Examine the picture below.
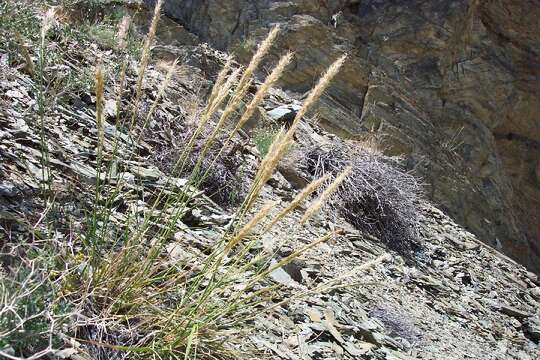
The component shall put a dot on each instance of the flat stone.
(8, 190)
(280, 276)
(535, 293)
(532, 328)
(514, 312)
(284, 112)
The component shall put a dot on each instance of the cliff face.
(451, 84)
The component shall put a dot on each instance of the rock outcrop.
(451, 84)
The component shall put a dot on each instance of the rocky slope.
(451, 84)
(458, 298)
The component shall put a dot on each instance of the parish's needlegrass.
(126, 293)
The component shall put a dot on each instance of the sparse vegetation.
(263, 137)
(31, 313)
(135, 222)
(244, 48)
(128, 296)
(103, 35)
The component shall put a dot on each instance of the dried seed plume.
(301, 196)
(246, 229)
(325, 195)
(145, 57)
(259, 55)
(99, 106)
(123, 29)
(316, 92)
(263, 89)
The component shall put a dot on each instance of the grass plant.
(130, 298)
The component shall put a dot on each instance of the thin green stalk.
(45, 182)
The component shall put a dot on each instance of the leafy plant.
(263, 138)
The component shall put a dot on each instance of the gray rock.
(532, 328)
(514, 312)
(8, 189)
(281, 276)
(461, 104)
(284, 113)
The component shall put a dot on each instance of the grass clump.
(378, 196)
(131, 297)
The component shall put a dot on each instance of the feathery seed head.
(123, 29)
(232, 104)
(155, 19)
(263, 89)
(246, 229)
(47, 22)
(99, 103)
(325, 195)
(317, 91)
(164, 85)
(245, 80)
(222, 75)
(221, 94)
(268, 164)
(224, 90)
(301, 196)
(259, 55)
(283, 140)
(272, 151)
(145, 57)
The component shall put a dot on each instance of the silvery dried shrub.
(379, 197)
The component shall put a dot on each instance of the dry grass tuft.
(132, 298)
